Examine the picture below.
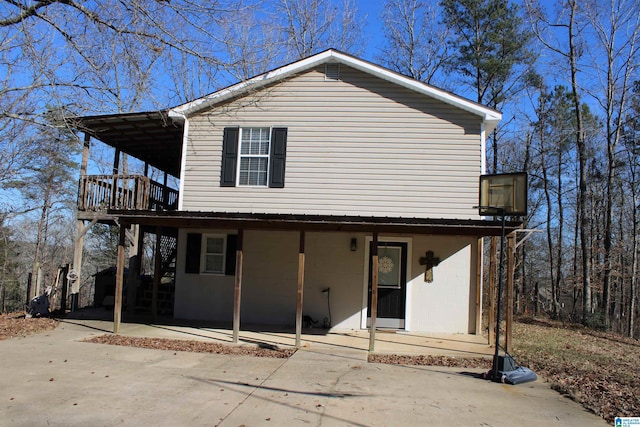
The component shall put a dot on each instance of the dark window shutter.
(230, 262)
(229, 157)
(277, 157)
(192, 261)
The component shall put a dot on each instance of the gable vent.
(332, 71)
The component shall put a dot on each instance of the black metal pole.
(495, 375)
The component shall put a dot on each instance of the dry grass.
(600, 371)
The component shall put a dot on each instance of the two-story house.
(308, 189)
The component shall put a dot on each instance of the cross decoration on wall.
(429, 261)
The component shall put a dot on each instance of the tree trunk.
(634, 260)
(582, 159)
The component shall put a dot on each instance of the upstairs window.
(254, 156)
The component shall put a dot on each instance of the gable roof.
(489, 116)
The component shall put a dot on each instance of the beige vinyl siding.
(359, 146)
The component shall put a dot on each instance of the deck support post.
(77, 264)
(300, 289)
(117, 306)
(157, 274)
(237, 292)
(135, 252)
(80, 228)
(374, 292)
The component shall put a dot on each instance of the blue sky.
(373, 30)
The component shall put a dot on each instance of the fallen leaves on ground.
(420, 360)
(14, 325)
(599, 370)
(191, 345)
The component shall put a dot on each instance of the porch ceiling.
(152, 137)
(187, 219)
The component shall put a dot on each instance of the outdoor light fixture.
(354, 244)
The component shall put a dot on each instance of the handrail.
(98, 193)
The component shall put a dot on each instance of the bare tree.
(616, 26)
(567, 49)
(415, 39)
(314, 25)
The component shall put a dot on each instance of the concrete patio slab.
(387, 341)
(55, 379)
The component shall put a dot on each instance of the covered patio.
(347, 342)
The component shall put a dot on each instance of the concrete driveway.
(54, 379)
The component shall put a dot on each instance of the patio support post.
(157, 273)
(117, 306)
(300, 289)
(374, 292)
(238, 287)
(479, 257)
(508, 344)
(493, 262)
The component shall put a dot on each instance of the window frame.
(204, 254)
(266, 156)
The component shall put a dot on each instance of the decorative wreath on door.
(385, 265)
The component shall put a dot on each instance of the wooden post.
(114, 188)
(511, 254)
(493, 263)
(83, 170)
(29, 285)
(80, 230)
(165, 193)
(374, 292)
(117, 307)
(157, 273)
(135, 249)
(237, 293)
(479, 266)
(77, 256)
(63, 293)
(300, 289)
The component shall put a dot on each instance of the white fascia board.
(183, 160)
(483, 149)
(490, 117)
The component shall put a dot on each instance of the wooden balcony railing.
(98, 193)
